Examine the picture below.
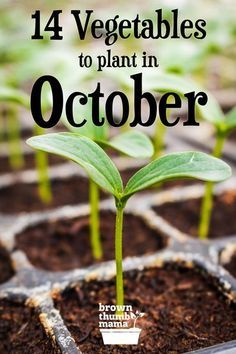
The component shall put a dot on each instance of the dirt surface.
(183, 312)
(65, 244)
(29, 163)
(184, 215)
(24, 196)
(21, 331)
(6, 270)
(68, 191)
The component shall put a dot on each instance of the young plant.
(224, 125)
(135, 316)
(104, 173)
(132, 143)
(17, 97)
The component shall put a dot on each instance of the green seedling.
(100, 168)
(224, 125)
(132, 143)
(17, 97)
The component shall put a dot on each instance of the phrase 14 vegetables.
(112, 29)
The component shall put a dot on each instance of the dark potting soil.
(6, 270)
(29, 163)
(64, 244)
(23, 197)
(231, 265)
(183, 312)
(184, 215)
(21, 331)
(68, 191)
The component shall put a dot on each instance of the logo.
(117, 324)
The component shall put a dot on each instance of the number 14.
(51, 26)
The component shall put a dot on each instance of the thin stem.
(94, 221)
(159, 139)
(2, 125)
(207, 202)
(118, 254)
(41, 161)
(14, 142)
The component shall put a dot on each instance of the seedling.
(135, 316)
(132, 143)
(13, 130)
(104, 173)
(19, 98)
(224, 125)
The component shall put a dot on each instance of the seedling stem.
(41, 161)
(119, 257)
(207, 203)
(94, 221)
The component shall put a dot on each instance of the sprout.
(224, 125)
(16, 157)
(104, 173)
(135, 316)
(132, 143)
(13, 129)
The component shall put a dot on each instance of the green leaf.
(178, 165)
(230, 120)
(86, 153)
(132, 143)
(14, 96)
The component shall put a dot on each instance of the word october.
(93, 100)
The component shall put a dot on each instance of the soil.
(21, 331)
(5, 266)
(231, 266)
(29, 163)
(183, 312)
(184, 215)
(65, 245)
(24, 197)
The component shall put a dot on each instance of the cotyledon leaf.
(14, 96)
(86, 153)
(132, 143)
(178, 165)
